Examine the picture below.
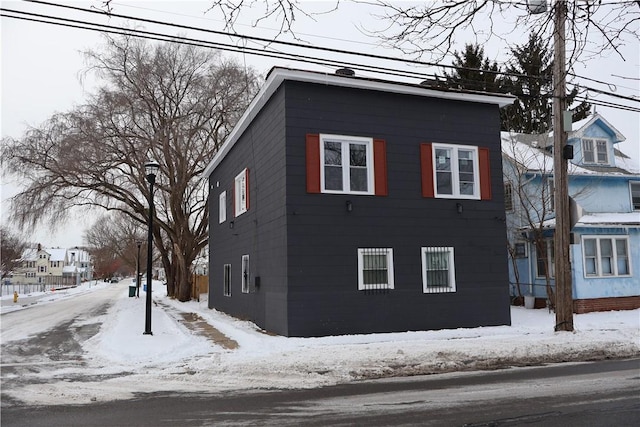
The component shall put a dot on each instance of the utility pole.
(564, 287)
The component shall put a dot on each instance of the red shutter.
(246, 183)
(485, 173)
(426, 168)
(380, 167)
(313, 163)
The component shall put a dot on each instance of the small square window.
(375, 268)
(438, 271)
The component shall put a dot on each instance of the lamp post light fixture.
(150, 170)
(138, 243)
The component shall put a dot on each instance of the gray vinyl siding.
(323, 237)
(261, 231)
(304, 246)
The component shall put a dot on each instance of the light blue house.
(604, 185)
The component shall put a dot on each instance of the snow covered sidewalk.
(120, 362)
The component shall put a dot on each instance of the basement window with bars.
(375, 268)
(438, 272)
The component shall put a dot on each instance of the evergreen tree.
(473, 71)
(530, 78)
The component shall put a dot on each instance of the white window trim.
(390, 274)
(245, 278)
(240, 185)
(614, 263)
(594, 151)
(631, 184)
(226, 284)
(549, 247)
(222, 207)
(455, 173)
(346, 140)
(452, 271)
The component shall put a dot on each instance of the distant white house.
(53, 267)
(604, 185)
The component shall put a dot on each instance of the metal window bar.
(438, 270)
(375, 270)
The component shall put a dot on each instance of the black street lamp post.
(139, 243)
(151, 169)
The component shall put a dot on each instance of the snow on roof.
(57, 254)
(580, 126)
(522, 149)
(528, 152)
(606, 219)
(29, 254)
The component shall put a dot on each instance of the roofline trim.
(277, 75)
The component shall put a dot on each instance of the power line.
(87, 25)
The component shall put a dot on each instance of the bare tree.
(173, 103)
(112, 242)
(432, 28)
(11, 248)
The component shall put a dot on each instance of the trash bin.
(132, 291)
(144, 288)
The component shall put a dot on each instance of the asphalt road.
(586, 394)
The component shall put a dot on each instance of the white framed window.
(222, 207)
(438, 270)
(606, 256)
(346, 164)
(241, 195)
(550, 194)
(456, 171)
(545, 258)
(375, 268)
(226, 280)
(594, 151)
(634, 190)
(508, 196)
(245, 274)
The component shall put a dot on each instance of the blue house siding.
(602, 191)
(586, 287)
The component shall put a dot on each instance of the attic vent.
(345, 72)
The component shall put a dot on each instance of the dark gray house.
(343, 205)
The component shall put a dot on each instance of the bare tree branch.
(173, 103)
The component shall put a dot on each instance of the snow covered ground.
(121, 362)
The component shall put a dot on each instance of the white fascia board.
(278, 75)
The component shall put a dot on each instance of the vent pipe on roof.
(345, 72)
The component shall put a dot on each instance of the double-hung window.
(545, 260)
(455, 171)
(375, 268)
(438, 270)
(341, 164)
(508, 197)
(595, 151)
(241, 192)
(606, 256)
(347, 164)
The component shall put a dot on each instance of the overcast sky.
(42, 64)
